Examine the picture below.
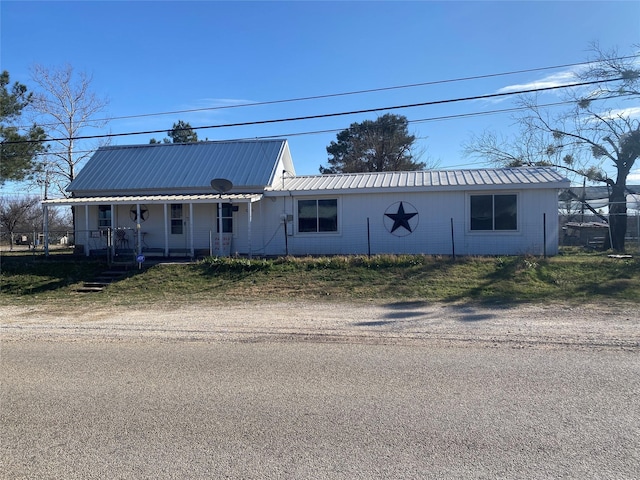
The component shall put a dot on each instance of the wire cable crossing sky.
(341, 94)
(309, 117)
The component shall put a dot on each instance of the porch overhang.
(155, 199)
(165, 200)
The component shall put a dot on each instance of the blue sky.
(164, 56)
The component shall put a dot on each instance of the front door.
(224, 222)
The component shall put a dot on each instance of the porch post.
(138, 229)
(249, 209)
(45, 210)
(86, 230)
(111, 233)
(191, 230)
(166, 231)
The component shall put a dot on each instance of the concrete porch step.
(89, 289)
(103, 280)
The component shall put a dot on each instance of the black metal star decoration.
(401, 218)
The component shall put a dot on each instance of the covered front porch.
(161, 225)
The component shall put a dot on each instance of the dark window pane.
(328, 215)
(481, 212)
(104, 216)
(506, 212)
(226, 210)
(227, 220)
(176, 210)
(307, 216)
(176, 218)
(307, 225)
(176, 227)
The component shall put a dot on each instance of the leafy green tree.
(18, 148)
(383, 145)
(181, 132)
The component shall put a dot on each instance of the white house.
(159, 199)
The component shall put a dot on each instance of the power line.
(328, 115)
(342, 94)
(334, 130)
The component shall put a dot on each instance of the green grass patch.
(490, 280)
(26, 275)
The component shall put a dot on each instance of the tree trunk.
(617, 217)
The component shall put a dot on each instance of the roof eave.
(416, 189)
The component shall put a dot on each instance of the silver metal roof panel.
(249, 164)
(533, 177)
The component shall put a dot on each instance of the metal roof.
(248, 164)
(151, 199)
(541, 177)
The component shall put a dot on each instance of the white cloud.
(222, 102)
(555, 80)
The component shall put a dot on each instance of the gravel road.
(556, 325)
(260, 390)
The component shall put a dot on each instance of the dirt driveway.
(543, 326)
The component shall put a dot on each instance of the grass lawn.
(570, 277)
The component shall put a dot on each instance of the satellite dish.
(221, 185)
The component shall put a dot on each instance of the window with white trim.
(318, 215)
(176, 218)
(104, 216)
(227, 218)
(494, 212)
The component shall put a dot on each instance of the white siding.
(432, 235)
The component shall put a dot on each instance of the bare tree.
(528, 147)
(597, 133)
(67, 108)
(17, 214)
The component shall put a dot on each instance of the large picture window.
(494, 212)
(318, 216)
(176, 218)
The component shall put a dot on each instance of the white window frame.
(172, 218)
(104, 226)
(493, 230)
(338, 229)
